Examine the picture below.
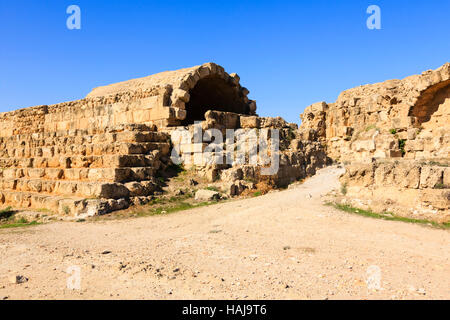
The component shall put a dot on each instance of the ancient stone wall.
(97, 154)
(162, 99)
(187, 94)
(94, 155)
(70, 172)
(299, 154)
(405, 187)
(394, 119)
(394, 138)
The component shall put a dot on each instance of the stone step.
(66, 188)
(113, 148)
(105, 161)
(131, 136)
(81, 174)
(62, 205)
(51, 139)
(97, 190)
(94, 130)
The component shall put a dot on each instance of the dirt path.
(284, 245)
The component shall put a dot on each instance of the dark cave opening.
(429, 102)
(213, 93)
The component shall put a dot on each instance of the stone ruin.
(98, 154)
(101, 153)
(394, 138)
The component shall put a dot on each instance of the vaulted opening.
(213, 93)
(430, 101)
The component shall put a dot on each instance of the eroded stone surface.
(394, 137)
(397, 118)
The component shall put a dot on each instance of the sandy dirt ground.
(283, 245)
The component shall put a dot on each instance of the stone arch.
(209, 87)
(213, 93)
(179, 97)
(430, 101)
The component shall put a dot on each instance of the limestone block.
(360, 174)
(250, 122)
(364, 145)
(62, 162)
(66, 187)
(179, 94)
(414, 145)
(318, 107)
(384, 174)
(136, 189)
(70, 207)
(274, 123)
(113, 191)
(431, 176)
(36, 173)
(407, 176)
(9, 173)
(446, 178)
(204, 71)
(222, 120)
(207, 195)
(231, 174)
(179, 104)
(412, 133)
(35, 186)
(44, 162)
(141, 116)
(439, 199)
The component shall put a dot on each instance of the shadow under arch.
(213, 93)
(429, 102)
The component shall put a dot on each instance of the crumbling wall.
(394, 119)
(95, 155)
(188, 94)
(388, 135)
(405, 187)
(80, 172)
(299, 154)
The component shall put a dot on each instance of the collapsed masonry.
(100, 153)
(394, 138)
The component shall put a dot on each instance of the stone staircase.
(78, 172)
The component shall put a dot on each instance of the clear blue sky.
(288, 53)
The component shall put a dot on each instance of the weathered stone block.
(207, 195)
(250, 122)
(407, 176)
(384, 174)
(231, 174)
(414, 145)
(431, 176)
(446, 178)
